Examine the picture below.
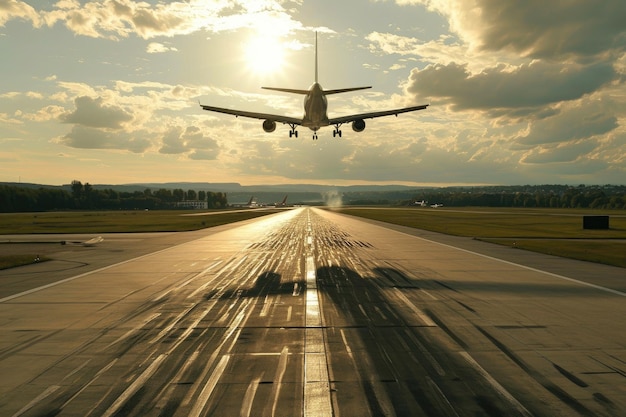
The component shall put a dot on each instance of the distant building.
(193, 204)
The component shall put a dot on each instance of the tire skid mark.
(557, 391)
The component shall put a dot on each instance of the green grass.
(610, 252)
(117, 221)
(551, 231)
(110, 222)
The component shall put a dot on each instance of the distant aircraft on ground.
(250, 204)
(282, 203)
(315, 110)
(436, 205)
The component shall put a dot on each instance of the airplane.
(282, 203)
(315, 110)
(250, 204)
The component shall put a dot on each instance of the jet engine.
(358, 125)
(269, 126)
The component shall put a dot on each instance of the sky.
(107, 92)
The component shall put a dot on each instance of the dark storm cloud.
(95, 113)
(527, 86)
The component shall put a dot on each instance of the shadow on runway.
(384, 359)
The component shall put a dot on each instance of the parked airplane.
(315, 110)
(282, 203)
(250, 204)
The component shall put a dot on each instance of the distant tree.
(77, 189)
(164, 195)
(178, 194)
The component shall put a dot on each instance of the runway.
(310, 313)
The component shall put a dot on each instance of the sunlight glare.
(264, 55)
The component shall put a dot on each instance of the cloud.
(115, 19)
(157, 48)
(85, 137)
(173, 142)
(505, 87)
(118, 19)
(95, 113)
(534, 28)
(560, 153)
(190, 140)
(586, 119)
(50, 112)
(13, 9)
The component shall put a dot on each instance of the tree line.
(590, 197)
(86, 197)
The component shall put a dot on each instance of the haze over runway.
(308, 312)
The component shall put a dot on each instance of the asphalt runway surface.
(309, 313)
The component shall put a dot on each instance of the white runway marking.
(206, 392)
(317, 401)
(588, 284)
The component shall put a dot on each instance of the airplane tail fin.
(339, 90)
(305, 92)
(316, 81)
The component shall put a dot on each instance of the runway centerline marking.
(317, 399)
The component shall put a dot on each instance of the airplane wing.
(347, 119)
(254, 115)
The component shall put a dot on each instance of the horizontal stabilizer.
(287, 90)
(345, 90)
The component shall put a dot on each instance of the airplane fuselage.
(315, 108)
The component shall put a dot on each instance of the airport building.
(193, 204)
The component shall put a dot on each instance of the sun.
(264, 55)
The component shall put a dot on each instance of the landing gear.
(315, 136)
(337, 131)
(293, 131)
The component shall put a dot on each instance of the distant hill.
(281, 188)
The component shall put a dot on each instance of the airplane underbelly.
(315, 113)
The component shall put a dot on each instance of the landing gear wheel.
(337, 131)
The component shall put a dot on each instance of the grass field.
(119, 221)
(109, 222)
(551, 231)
